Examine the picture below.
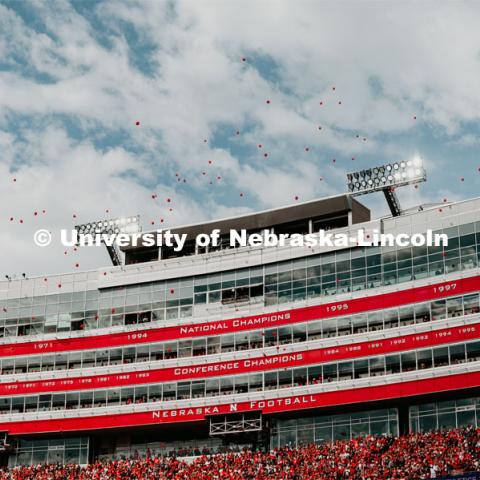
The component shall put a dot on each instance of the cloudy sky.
(110, 108)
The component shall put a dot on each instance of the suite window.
(457, 354)
(471, 304)
(360, 323)
(99, 398)
(375, 321)
(391, 318)
(473, 351)
(314, 330)
(285, 378)
(377, 366)
(270, 380)
(213, 345)
(330, 373)
(424, 359)
(392, 364)
(255, 382)
(440, 356)
(422, 313)
(169, 391)
(409, 362)
(407, 316)
(315, 374)
(227, 342)
(361, 368)
(226, 386)
(345, 371)
(212, 387)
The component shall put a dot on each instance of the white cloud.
(388, 62)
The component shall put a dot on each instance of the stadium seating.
(413, 456)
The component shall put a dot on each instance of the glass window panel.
(360, 323)
(440, 356)
(409, 361)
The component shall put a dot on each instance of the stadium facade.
(260, 346)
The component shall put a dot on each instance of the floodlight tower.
(387, 178)
(129, 225)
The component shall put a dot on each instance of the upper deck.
(308, 217)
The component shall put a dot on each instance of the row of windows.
(423, 418)
(333, 428)
(328, 328)
(61, 451)
(443, 415)
(295, 280)
(253, 382)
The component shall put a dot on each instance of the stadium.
(183, 354)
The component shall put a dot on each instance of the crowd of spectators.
(413, 456)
